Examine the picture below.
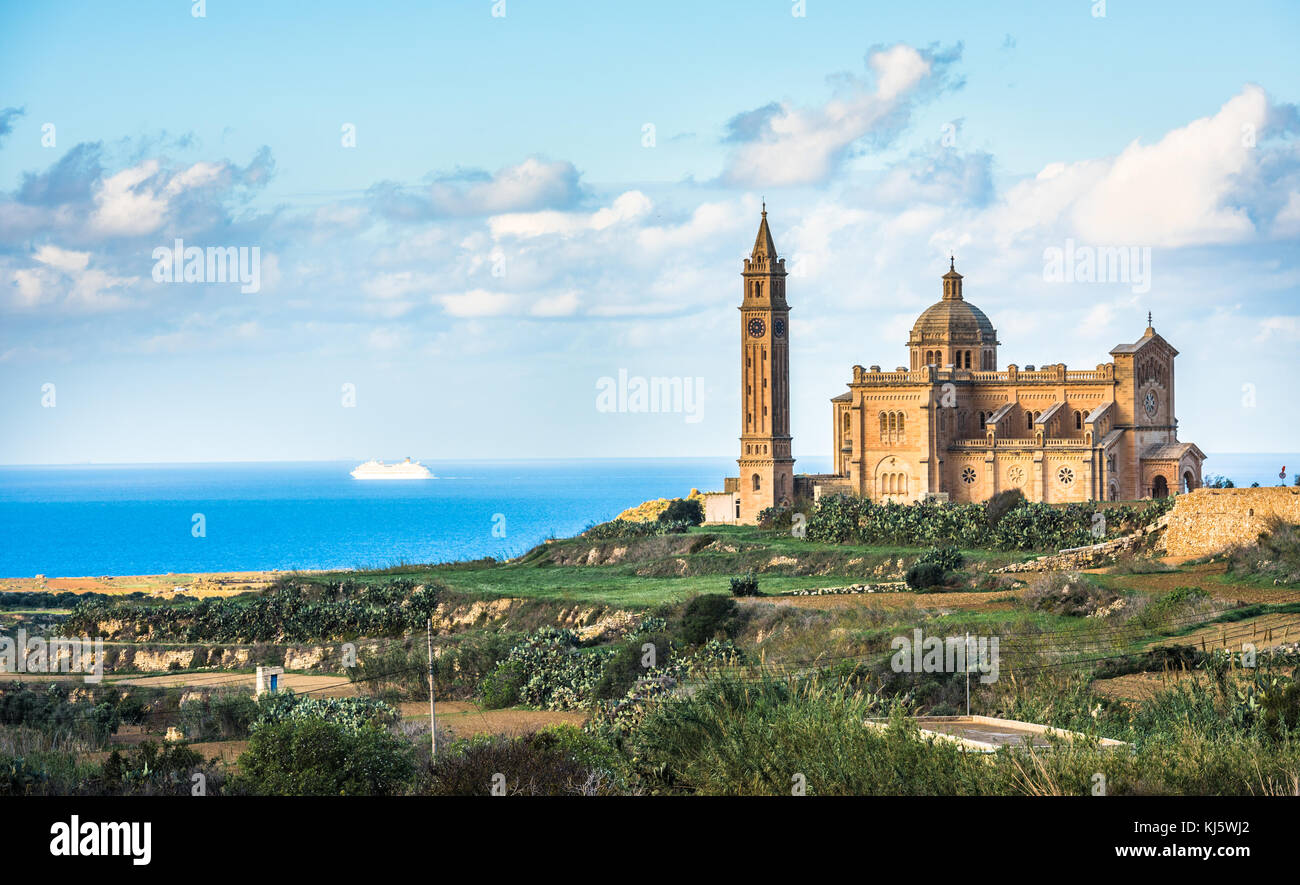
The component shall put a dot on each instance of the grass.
(650, 580)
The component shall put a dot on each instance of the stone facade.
(950, 424)
(1213, 520)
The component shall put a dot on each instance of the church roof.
(954, 320)
(1147, 337)
(1170, 451)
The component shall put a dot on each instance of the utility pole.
(433, 722)
(967, 656)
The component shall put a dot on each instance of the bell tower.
(766, 465)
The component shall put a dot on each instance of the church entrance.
(1160, 488)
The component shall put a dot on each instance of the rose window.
(1016, 475)
(968, 475)
(1065, 476)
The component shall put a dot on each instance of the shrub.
(1274, 556)
(224, 716)
(745, 585)
(500, 688)
(625, 528)
(686, 510)
(547, 670)
(395, 672)
(352, 713)
(1067, 593)
(947, 558)
(1003, 503)
(152, 770)
(625, 667)
(840, 519)
(546, 763)
(707, 616)
(312, 757)
(925, 576)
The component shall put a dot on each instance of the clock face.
(1150, 404)
(778, 328)
(756, 327)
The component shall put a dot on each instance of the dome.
(953, 321)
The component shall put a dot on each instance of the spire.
(1151, 329)
(763, 245)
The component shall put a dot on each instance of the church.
(952, 425)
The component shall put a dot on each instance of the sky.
(471, 218)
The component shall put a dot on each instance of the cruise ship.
(407, 469)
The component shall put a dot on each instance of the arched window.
(900, 422)
(883, 426)
(1078, 420)
(902, 483)
(1029, 420)
(756, 482)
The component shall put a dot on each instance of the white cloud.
(65, 260)
(628, 206)
(131, 203)
(786, 145)
(1286, 328)
(477, 303)
(556, 305)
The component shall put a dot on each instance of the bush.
(626, 528)
(745, 585)
(1274, 556)
(224, 716)
(1067, 593)
(624, 668)
(561, 762)
(947, 558)
(1003, 503)
(925, 576)
(352, 714)
(500, 688)
(312, 757)
(686, 510)
(547, 670)
(707, 616)
(840, 519)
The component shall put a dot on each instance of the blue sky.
(502, 235)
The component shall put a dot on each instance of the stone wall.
(1207, 521)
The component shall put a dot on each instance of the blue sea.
(81, 520)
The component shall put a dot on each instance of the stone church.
(951, 424)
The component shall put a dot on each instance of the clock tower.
(766, 466)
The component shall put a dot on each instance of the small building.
(268, 679)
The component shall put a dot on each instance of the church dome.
(953, 320)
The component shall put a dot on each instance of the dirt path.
(1002, 599)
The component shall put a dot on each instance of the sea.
(132, 519)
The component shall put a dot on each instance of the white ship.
(407, 469)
